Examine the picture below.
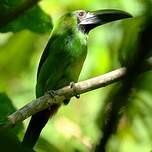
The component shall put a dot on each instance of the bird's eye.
(81, 13)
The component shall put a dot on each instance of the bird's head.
(84, 21)
(87, 21)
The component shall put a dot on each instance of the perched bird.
(63, 58)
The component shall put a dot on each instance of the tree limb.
(47, 100)
(17, 11)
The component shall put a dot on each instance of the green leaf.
(9, 136)
(34, 19)
(6, 108)
(10, 143)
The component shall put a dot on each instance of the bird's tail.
(36, 124)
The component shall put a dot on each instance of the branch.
(17, 11)
(46, 101)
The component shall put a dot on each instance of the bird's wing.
(45, 54)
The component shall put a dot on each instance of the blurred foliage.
(9, 135)
(122, 97)
(6, 108)
(75, 127)
(33, 19)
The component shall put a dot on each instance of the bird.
(63, 58)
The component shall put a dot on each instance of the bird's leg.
(72, 85)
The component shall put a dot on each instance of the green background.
(75, 126)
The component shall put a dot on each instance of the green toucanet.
(63, 58)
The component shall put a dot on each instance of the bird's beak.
(100, 17)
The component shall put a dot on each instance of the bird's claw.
(72, 85)
(52, 93)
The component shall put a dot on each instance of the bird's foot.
(66, 101)
(72, 85)
(52, 93)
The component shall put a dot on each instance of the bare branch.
(45, 101)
